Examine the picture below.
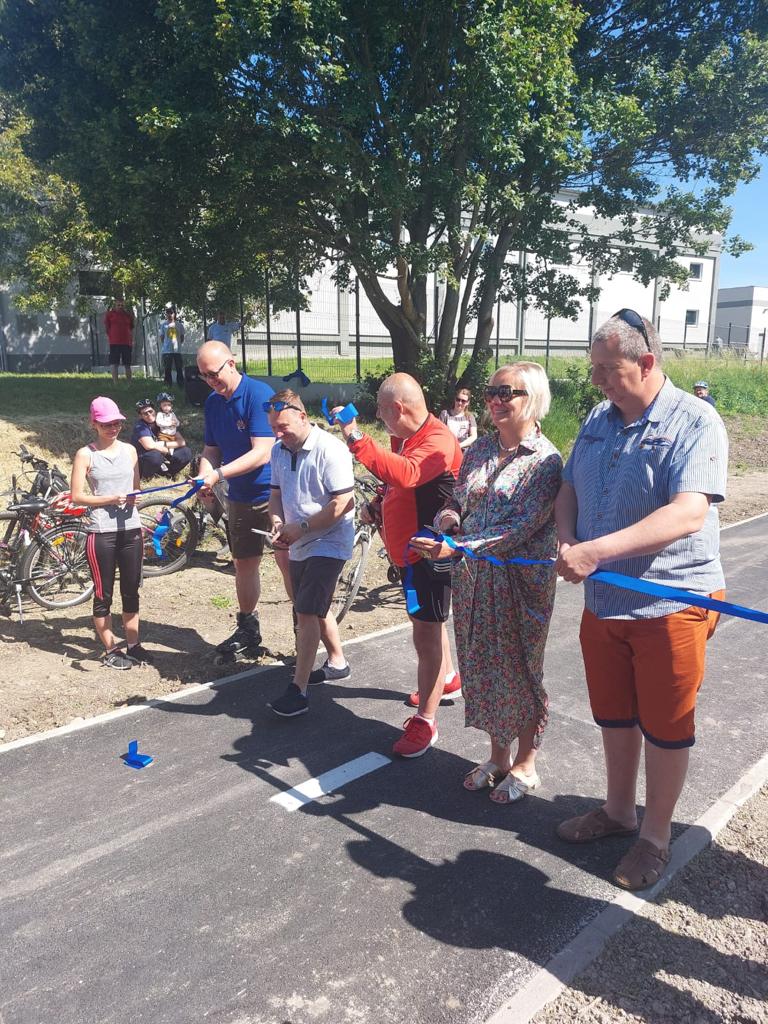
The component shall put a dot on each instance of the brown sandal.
(642, 867)
(594, 825)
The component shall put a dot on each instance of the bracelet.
(220, 474)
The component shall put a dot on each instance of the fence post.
(746, 350)
(144, 334)
(298, 323)
(762, 347)
(549, 334)
(729, 335)
(269, 328)
(242, 331)
(685, 334)
(358, 375)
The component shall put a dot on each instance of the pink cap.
(104, 410)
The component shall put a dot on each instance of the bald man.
(419, 471)
(238, 446)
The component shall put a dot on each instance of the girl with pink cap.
(110, 468)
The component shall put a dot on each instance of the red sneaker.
(418, 737)
(451, 690)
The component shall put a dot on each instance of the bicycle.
(188, 529)
(368, 490)
(42, 553)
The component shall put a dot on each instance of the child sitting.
(166, 420)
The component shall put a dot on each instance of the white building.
(334, 320)
(742, 318)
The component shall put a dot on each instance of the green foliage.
(577, 388)
(399, 138)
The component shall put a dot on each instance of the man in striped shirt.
(639, 497)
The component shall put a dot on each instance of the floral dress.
(505, 505)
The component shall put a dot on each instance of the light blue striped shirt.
(621, 474)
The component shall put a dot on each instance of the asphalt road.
(184, 893)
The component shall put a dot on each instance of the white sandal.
(483, 775)
(514, 788)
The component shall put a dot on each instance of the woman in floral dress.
(503, 506)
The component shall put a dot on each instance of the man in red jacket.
(419, 472)
(119, 323)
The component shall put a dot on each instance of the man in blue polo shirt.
(238, 445)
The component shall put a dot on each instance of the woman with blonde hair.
(503, 506)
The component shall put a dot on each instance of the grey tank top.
(112, 474)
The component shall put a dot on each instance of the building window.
(696, 271)
(692, 318)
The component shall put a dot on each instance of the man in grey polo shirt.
(312, 509)
(639, 497)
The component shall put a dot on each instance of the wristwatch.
(355, 435)
(304, 525)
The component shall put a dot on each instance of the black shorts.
(120, 354)
(242, 518)
(432, 583)
(314, 581)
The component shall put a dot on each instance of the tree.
(400, 137)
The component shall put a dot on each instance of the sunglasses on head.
(504, 392)
(278, 406)
(634, 320)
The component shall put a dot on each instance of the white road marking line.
(329, 782)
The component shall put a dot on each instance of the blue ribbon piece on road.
(614, 579)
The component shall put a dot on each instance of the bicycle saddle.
(29, 505)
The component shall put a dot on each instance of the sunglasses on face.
(504, 392)
(278, 406)
(634, 320)
(214, 374)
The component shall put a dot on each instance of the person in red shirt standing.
(119, 323)
(419, 472)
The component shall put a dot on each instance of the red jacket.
(419, 472)
(119, 324)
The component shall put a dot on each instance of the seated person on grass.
(157, 457)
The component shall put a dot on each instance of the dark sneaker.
(451, 691)
(329, 672)
(139, 655)
(116, 659)
(292, 703)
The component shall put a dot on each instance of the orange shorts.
(647, 672)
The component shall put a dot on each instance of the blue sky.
(750, 220)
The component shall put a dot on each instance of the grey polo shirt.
(621, 474)
(307, 480)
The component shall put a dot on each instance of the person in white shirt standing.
(222, 329)
(312, 508)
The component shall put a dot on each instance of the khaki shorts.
(242, 519)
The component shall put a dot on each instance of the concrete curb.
(547, 984)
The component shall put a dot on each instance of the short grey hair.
(631, 342)
(535, 382)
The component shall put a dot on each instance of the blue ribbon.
(614, 579)
(345, 415)
(164, 523)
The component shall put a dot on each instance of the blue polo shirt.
(230, 423)
(622, 473)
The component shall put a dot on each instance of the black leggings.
(123, 550)
(150, 463)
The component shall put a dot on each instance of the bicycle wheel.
(351, 575)
(54, 568)
(176, 545)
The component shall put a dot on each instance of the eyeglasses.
(278, 406)
(112, 423)
(147, 408)
(461, 401)
(504, 392)
(214, 374)
(634, 320)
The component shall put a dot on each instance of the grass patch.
(221, 602)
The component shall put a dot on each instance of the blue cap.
(701, 384)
